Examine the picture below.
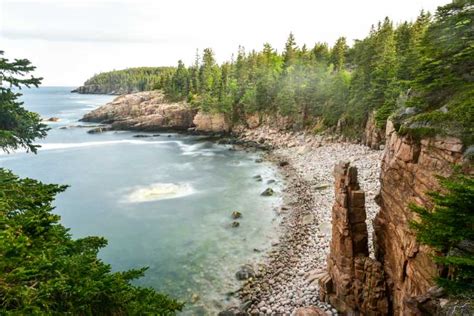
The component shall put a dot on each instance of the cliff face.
(208, 122)
(408, 171)
(143, 111)
(373, 136)
(400, 281)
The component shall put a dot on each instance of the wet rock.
(245, 272)
(235, 224)
(236, 214)
(271, 181)
(98, 130)
(142, 136)
(53, 119)
(268, 192)
(259, 160)
(258, 177)
(283, 163)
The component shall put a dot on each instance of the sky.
(71, 40)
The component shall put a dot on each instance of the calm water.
(162, 202)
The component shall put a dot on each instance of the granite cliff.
(399, 280)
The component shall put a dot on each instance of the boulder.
(236, 214)
(245, 272)
(267, 192)
(98, 130)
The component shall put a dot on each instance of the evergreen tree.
(448, 227)
(290, 52)
(18, 127)
(338, 53)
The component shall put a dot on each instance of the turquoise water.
(164, 202)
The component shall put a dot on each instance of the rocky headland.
(146, 111)
(98, 89)
(151, 111)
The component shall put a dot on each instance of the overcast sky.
(70, 40)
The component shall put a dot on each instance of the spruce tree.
(448, 227)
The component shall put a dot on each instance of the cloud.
(78, 36)
(74, 21)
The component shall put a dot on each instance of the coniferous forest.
(127, 80)
(420, 71)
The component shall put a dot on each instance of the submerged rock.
(236, 214)
(258, 177)
(268, 192)
(235, 224)
(142, 136)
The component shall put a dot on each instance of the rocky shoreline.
(286, 281)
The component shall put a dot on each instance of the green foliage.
(43, 271)
(18, 127)
(448, 227)
(131, 79)
(426, 64)
(444, 86)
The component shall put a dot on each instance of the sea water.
(164, 202)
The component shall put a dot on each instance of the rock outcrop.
(147, 111)
(374, 137)
(408, 172)
(211, 122)
(355, 283)
(98, 89)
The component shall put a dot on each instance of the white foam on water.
(159, 191)
(55, 146)
(199, 149)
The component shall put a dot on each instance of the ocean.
(163, 202)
